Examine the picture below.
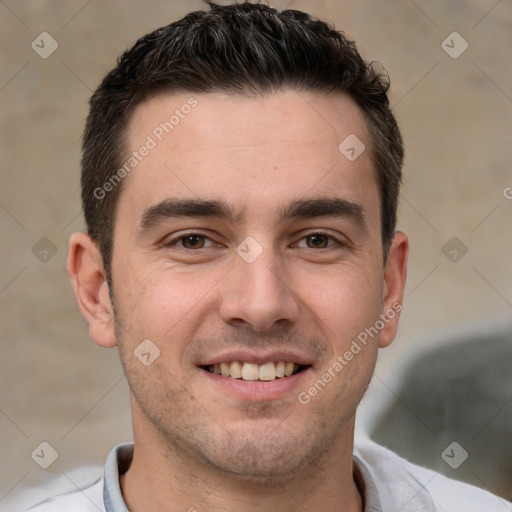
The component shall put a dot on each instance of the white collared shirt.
(391, 485)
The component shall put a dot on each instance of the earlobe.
(395, 275)
(87, 274)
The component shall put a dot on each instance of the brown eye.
(192, 241)
(318, 240)
(189, 241)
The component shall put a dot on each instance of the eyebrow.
(297, 209)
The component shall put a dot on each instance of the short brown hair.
(239, 49)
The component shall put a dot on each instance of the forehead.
(255, 152)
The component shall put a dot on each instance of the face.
(247, 249)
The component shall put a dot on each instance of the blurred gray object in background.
(455, 401)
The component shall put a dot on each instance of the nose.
(259, 294)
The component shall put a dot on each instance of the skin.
(199, 444)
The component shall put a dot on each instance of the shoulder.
(404, 486)
(87, 497)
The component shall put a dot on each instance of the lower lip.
(258, 390)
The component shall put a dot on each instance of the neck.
(164, 479)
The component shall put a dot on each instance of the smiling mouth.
(252, 371)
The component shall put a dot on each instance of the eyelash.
(175, 240)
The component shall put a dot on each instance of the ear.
(395, 274)
(85, 268)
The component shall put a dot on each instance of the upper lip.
(247, 356)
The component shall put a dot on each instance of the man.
(240, 176)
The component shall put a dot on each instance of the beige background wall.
(455, 114)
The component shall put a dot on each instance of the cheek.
(153, 301)
(346, 300)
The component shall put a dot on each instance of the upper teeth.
(253, 371)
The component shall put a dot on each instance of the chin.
(264, 472)
(265, 457)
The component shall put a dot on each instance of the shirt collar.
(120, 458)
(118, 462)
(371, 498)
